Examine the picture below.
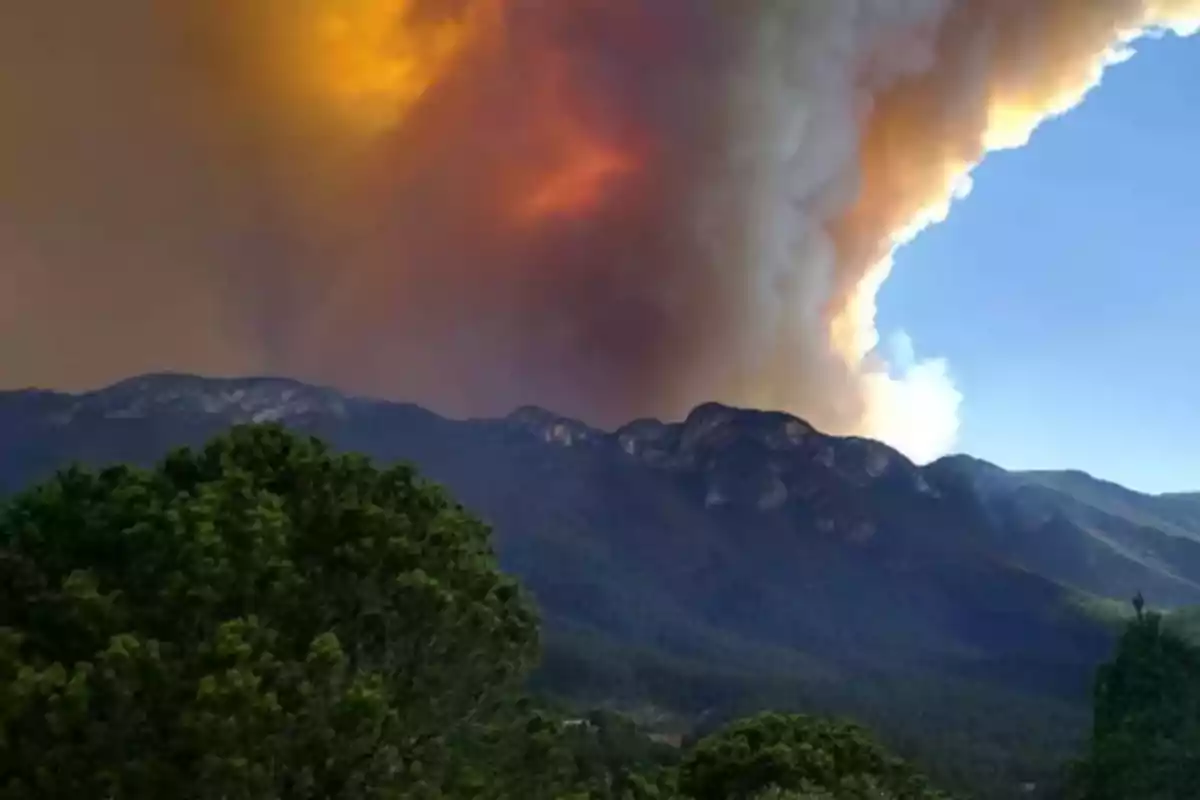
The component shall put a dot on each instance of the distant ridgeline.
(739, 558)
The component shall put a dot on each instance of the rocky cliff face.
(745, 459)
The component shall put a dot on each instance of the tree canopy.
(1146, 730)
(806, 756)
(260, 618)
(264, 619)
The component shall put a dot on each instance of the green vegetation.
(975, 739)
(1185, 623)
(1146, 733)
(800, 754)
(263, 618)
(259, 619)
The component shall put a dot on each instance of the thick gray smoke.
(610, 207)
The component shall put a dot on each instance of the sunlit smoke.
(613, 208)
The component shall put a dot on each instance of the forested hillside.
(265, 619)
(694, 572)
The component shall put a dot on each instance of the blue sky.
(1065, 290)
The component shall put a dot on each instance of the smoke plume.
(613, 208)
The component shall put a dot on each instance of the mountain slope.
(733, 559)
(1090, 534)
(728, 535)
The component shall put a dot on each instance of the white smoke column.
(858, 124)
(915, 402)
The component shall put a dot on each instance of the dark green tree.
(864, 789)
(802, 755)
(533, 752)
(258, 619)
(1145, 741)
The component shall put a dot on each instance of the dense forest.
(265, 618)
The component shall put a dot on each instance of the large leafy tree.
(798, 756)
(1146, 731)
(258, 619)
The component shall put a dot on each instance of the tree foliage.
(265, 619)
(1146, 731)
(808, 756)
(865, 789)
(261, 618)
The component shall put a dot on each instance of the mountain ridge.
(734, 557)
(751, 528)
(740, 457)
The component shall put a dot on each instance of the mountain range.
(736, 554)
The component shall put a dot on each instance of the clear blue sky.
(1065, 291)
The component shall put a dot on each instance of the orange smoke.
(613, 208)
(578, 184)
(367, 57)
(357, 65)
(582, 166)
